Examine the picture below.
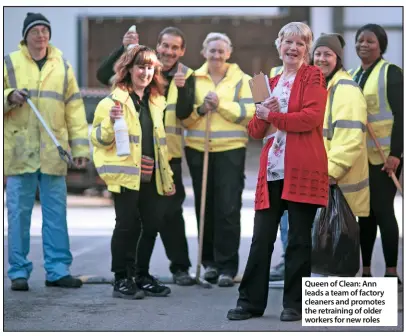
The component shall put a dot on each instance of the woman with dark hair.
(139, 180)
(382, 85)
(344, 129)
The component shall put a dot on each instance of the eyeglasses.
(36, 32)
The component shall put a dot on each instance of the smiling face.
(170, 50)
(325, 59)
(142, 75)
(367, 47)
(38, 37)
(217, 52)
(292, 50)
(143, 70)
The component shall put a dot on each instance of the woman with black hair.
(382, 85)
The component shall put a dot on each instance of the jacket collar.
(122, 96)
(52, 52)
(234, 73)
(340, 74)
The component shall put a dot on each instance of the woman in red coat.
(292, 175)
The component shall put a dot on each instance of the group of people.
(314, 134)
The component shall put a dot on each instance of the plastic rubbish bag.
(335, 238)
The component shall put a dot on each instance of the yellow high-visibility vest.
(275, 71)
(380, 115)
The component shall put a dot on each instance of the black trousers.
(382, 214)
(173, 233)
(222, 227)
(139, 217)
(253, 290)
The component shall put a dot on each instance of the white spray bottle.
(133, 29)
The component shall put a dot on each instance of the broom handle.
(382, 154)
(203, 194)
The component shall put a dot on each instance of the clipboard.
(260, 88)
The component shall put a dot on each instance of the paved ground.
(91, 308)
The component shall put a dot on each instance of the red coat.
(306, 175)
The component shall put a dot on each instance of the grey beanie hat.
(333, 41)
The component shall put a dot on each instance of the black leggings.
(382, 214)
(254, 285)
(138, 220)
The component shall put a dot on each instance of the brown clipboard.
(260, 88)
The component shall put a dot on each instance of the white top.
(276, 154)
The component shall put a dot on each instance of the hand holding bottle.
(116, 112)
(131, 38)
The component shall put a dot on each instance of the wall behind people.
(65, 21)
(252, 43)
(196, 23)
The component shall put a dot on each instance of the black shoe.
(290, 315)
(66, 282)
(240, 313)
(152, 287)
(127, 289)
(225, 281)
(19, 284)
(211, 275)
(183, 278)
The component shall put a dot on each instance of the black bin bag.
(335, 238)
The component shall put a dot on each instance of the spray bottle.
(133, 29)
(121, 135)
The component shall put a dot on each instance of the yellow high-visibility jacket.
(173, 126)
(55, 93)
(228, 124)
(380, 115)
(125, 171)
(275, 71)
(344, 132)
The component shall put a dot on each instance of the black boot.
(66, 282)
(151, 286)
(19, 284)
(239, 313)
(183, 278)
(290, 315)
(126, 288)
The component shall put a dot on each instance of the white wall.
(321, 20)
(64, 21)
(359, 16)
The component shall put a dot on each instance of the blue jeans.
(284, 228)
(20, 193)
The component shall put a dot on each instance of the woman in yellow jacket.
(382, 85)
(139, 180)
(222, 88)
(344, 129)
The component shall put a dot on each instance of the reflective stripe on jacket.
(55, 93)
(344, 133)
(228, 123)
(173, 126)
(125, 171)
(380, 115)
